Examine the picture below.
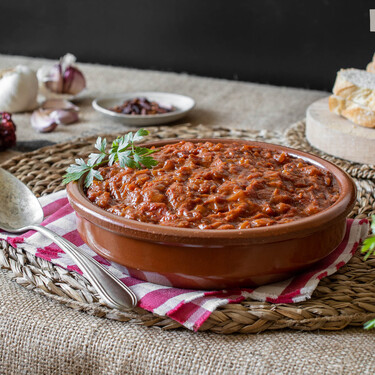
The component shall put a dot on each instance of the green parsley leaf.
(144, 151)
(123, 144)
(101, 145)
(69, 177)
(81, 162)
(95, 159)
(373, 224)
(147, 161)
(370, 324)
(74, 168)
(76, 171)
(90, 177)
(368, 247)
(122, 150)
(140, 134)
(128, 138)
(112, 159)
(124, 159)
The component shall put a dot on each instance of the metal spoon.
(21, 211)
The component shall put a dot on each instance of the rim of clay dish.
(220, 237)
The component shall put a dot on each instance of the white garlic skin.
(18, 89)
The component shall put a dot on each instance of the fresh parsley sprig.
(122, 150)
(368, 247)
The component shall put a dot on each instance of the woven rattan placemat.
(345, 298)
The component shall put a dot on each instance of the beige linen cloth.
(40, 336)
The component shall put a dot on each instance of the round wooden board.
(338, 136)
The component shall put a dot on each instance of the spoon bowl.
(19, 206)
(21, 211)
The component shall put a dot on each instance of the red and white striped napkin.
(188, 307)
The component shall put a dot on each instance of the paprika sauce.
(216, 186)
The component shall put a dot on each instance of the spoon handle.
(115, 293)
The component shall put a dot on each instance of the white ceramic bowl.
(181, 104)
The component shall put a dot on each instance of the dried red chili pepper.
(7, 131)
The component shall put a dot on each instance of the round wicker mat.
(345, 298)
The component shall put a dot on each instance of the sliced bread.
(357, 86)
(371, 65)
(354, 112)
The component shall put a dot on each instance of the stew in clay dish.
(216, 213)
(216, 186)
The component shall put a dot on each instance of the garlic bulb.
(63, 78)
(18, 89)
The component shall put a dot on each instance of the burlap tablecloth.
(40, 336)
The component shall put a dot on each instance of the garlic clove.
(54, 112)
(74, 81)
(54, 79)
(63, 78)
(42, 122)
(64, 117)
(59, 104)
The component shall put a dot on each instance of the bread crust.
(352, 111)
(347, 90)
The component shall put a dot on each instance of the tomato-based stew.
(216, 186)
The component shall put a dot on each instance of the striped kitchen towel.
(188, 307)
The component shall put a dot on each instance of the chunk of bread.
(371, 65)
(357, 86)
(352, 111)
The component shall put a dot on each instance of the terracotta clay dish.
(217, 258)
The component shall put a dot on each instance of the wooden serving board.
(338, 136)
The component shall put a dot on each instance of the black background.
(298, 43)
